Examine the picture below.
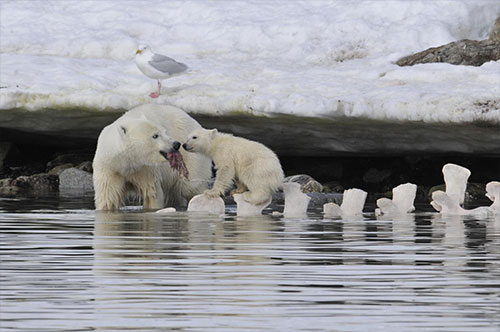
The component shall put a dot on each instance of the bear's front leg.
(154, 198)
(223, 181)
(109, 189)
(150, 188)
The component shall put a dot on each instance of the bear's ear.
(213, 132)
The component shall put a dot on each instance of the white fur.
(128, 158)
(255, 169)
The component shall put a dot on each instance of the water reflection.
(65, 267)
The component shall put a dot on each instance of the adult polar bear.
(131, 155)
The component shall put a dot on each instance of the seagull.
(157, 66)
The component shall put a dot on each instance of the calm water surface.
(66, 268)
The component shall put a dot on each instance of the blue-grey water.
(66, 268)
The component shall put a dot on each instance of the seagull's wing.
(167, 65)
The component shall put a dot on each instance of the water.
(66, 268)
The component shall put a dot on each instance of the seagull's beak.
(138, 52)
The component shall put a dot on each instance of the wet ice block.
(455, 178)
(203, 203)
(493, 193)
(332, 210)
(403, 197)
(245, 209)
(296, 201)
(167, 210)
(443, 203)
(353, 201)
(386, 206)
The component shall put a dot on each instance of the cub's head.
(146, 143)
(199, 140)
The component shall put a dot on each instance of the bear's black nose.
(184, 146)
(176, 145)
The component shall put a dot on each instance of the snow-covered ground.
(311, 58)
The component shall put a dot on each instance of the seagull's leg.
(156, 94)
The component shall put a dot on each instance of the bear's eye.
(155, 136)
(195, 137)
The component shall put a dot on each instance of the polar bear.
(133, 154)
(255, 169)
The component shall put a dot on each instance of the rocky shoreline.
(33, 171)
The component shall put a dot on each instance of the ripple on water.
(64, 267)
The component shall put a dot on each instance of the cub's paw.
(211, 193)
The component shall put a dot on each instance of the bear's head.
(200, 140)
(146, 143)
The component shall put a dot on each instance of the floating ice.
(203, 203)
(245, 209)
(332, 210)
(167, 210)
(446, 205)
(403, 197)
(493, 193)
(276, 214)
(455, 178)
(353, 202)
(296, 201)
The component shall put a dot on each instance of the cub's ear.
(213, 132)
(123, 130)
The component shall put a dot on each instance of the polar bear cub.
(254, 168)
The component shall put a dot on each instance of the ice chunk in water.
(493, 193)
(353, 201)
(245, 209)
(403, 197)
(456, 178)
(203, 203)
(446, 205)
(332, 210)
(296, 201)
(167, 210)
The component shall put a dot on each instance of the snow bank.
(311, 58)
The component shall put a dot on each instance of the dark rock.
(441, 187)
(69, 158)
(333, 187)
(58, 169)
(495, 32)
(317, 199)
(462, 52)
(75, 179)
(374, 175)
(307, 183)
(41, 182)
(5, 148)
(473, 192)
(12, 187)
(86, 166)
(38, 183)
